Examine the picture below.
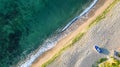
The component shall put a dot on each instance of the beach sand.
(68, 39)
(105, 34)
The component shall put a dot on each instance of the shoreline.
(103, 31)
(67, 40)
(81, 15)
(52, 40)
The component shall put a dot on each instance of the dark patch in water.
(24, 24)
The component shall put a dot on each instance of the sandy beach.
(104, 34)
(67, 40)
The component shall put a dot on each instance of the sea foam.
(50, 42)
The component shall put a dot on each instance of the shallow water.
(25, 24)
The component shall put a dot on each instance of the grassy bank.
(80, 35)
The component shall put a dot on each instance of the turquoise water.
(25, 24)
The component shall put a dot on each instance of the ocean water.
(26, 24)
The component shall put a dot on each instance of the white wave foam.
(50, 43)
(82, 14)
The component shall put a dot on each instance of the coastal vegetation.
(102, 16)
(99, 61)
(104, 62)
(61, 51)
(79, 36)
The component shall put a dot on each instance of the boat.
(98, 49)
